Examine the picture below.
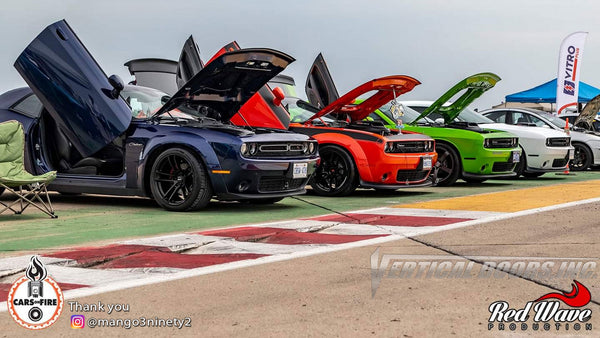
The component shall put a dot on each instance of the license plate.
(300, 170)
(426, 163)
(516, 156)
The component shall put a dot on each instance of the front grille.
(411, 175)
(278, 183)
(501, 142)
(558, 142)
(503, 166)
(409, 147)
(270, 150)
(559, 162)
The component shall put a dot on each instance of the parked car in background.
(465, 150)
(544, 150)
(586, 144)
(106, 138)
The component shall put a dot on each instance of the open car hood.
(473, 86)
(229, 81)
(73, 89)
(385, 89)
(588, 114)
(261, 110)
(321, 92)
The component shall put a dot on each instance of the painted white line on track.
(231, 246)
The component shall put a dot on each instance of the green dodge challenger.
(465, 150)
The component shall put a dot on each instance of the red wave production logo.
(545, 309)
(35, 301)
(578, 297)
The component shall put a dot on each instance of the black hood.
(227, 82)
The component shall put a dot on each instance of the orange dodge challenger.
(356, 152)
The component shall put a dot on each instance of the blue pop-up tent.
(546, 93)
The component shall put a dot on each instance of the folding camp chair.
(27, 188)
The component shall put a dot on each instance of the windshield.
(288, 89)
(145, 102)
(557, 121)
(467, 115)
(406, 114)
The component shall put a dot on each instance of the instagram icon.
(77, 321)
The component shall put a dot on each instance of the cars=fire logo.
(35, 301)
(545, 309)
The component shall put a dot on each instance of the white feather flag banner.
(569, 66)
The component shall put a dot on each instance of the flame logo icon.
(36, 269)
(578, 297)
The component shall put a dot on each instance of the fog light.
(243, 186)
(384, 177)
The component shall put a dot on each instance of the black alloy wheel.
(449, 165)
(582, 158)
(179, 182)
(337, 174)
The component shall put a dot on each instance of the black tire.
(336, 175)
(265, 200)
(532, 175)
(474, 180)
(583, 157)
(449, 165)
(179, 182)
(521, 165)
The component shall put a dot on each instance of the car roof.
(10, 97)
(530, 110)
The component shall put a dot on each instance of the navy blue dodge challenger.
(104, 137)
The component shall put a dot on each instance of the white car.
(544, 149)
(586, 143)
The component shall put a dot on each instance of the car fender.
(190, 141)
(351, 145)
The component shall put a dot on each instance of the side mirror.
(117, 84)
(279, 96)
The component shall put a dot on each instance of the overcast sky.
(437, 42)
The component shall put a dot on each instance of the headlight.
(244, 149)
(311, 147)
(388, 147)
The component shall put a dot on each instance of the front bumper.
(426, 183)
(553, 159)
(399, 170)
(258, 179)
(490, 163)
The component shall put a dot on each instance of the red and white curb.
(84, 271)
